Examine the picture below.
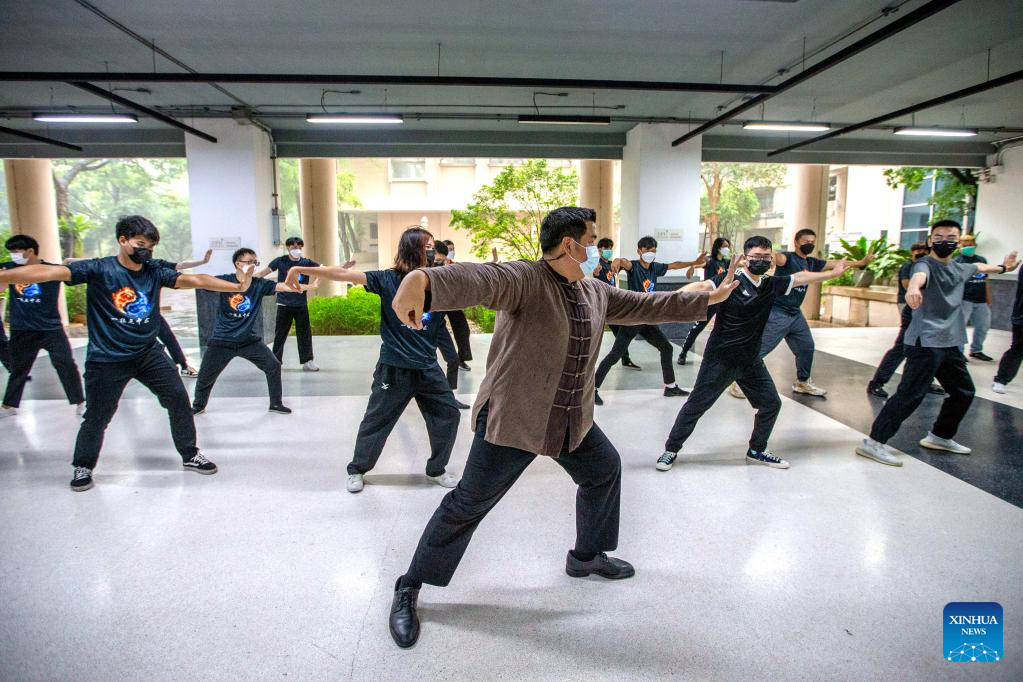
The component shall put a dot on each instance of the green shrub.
(75, 297)
(484, 317)
(357, 313)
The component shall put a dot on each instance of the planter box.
(861, 306)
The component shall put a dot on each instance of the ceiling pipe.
(40, 138)
(124, 102)
(356, 79)
(943, 99)
(897, 26)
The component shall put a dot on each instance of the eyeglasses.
(759, 260)
(248, 262)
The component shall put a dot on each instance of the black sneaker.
(81, 479)
(766, 458)
(876, 390)
(674, 392)
(464, 367)
(665, 461)
(280, 409)
(461, 405)
(626, 362)
(602, 565)
(198, 410)
(981, 356)
(596, 398)
(682, 358)
(404, 619)
(200, 465)
(935, 389)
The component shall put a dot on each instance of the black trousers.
(897, 353)
(625, 354)
(25, 346)
(5, 348)
(104, 384)
(1009, 364)
(460, 328)
(451, 358)
(490, 472)
(696, 329)
(393, 388)
(299, 314)
(712, 380)
(923, 365)
(170, 342)
(220, 353)
(650, 333)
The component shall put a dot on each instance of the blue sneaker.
(665, 461)
(765, 458)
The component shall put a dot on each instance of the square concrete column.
(317, 188)
(810, 211)
(596, 191)
(661, 192)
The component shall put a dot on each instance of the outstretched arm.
(621, 264)
(807, 277)
(1010, 263)
(189, 264)
(914, 297)
(698, 263)
(335, 273)
(211, 283)
(33, 274)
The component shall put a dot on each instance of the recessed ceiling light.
(566, 120)
(355, 118)
(936, 132)
(794, 126)
(86, 118)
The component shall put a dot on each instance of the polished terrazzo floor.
(837, 568)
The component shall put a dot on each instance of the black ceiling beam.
(943, 99)
(40, 138)
(900, 24)
(142, 109)
(355, 79)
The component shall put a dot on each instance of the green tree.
(507, 213)
(955, 192)
(728, 203)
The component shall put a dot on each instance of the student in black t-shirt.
(123, 310)
(643, 274)
(720, 255)
(606, 274)
(292, 306)
(457, 319)
(1008, 366)
(234, 335)
(407, 367)
(976, 298)
(733, 351)
(437, 257)
(36, 326)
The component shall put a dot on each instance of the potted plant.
(859, 250)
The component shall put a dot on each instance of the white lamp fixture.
(85, 118)
(793, 126)
(936, 132)
(565, 120)
(373, 119)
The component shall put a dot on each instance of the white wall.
(660, 192)
(229, 189)
(1000, 209)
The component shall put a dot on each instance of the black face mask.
(758, 267)
(806, 249)
(944, 249)
(141, 255)
(430, 253)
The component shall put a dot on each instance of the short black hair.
(646, 243)
(22, 241)
(756, 241)
(440, 247)
(946, 223)
(605, 242)
(137, 226)
(591, 215)
(919, 246)
(241, 252)
(802, 233)
(450, 244)
(294, 241)
(566, 221)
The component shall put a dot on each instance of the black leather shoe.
(280, 409)
(404, 621)
(682, 359)
(981, 356)
(674, 392)
(602, 565)
(876, 389)
(935, 389)
(461, 405)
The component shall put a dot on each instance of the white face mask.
(649, 257)
(451, 254)
(248, 267)
(725, 252)
(19, 257)
(296, 253)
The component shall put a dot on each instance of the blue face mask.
(607, 254)
(591, 262)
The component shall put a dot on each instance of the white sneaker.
(189, 372)
(736, 392)
(7, 411)
(997, 387)
(871, 449)
(80, 410)
(807, 388)
(932, 442)
(310, 367)
(445, 480)
(355, 483)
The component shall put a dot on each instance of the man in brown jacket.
(537, 397)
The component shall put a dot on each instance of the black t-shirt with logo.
(741, 318)
(169, 264)
(237, 314)
(642, 278)
(604, 274)
(403, 346)
(715, 267)
(122, 306)
(281, 265)
(794, 263)
(976, 287)
(33, 307)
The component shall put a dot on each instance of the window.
(765, 196)
(832, 188)
(408, 169)
(916, 213)
(507, 162)
(458, 162)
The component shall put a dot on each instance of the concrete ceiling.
(663, 40)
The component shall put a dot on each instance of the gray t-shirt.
(939, 322)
